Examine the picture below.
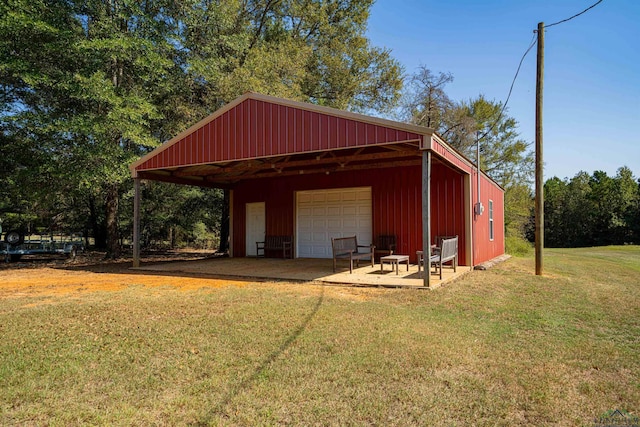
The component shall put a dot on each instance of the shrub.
(518, 246)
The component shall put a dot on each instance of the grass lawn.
(498, 347)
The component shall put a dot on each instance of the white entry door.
(323, 214)
(255, 226)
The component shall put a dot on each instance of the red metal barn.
(314, 173)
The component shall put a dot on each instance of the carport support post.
(136, 222)
(426, 215)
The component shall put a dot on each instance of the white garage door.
(323, 214)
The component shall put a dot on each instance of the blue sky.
(592, 68)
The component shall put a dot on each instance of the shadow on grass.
(247, 383)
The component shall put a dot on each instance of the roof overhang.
(225, 174)
(258, 136)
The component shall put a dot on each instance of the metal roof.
(258, 136)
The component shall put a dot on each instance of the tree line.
(89, 86)
(587, 210)
(592, 210)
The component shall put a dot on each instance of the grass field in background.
(498, 347)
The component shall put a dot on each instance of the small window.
(490, 219)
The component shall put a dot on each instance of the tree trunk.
(97, 226)
(224, 223)
(111, 210)
(112, 196)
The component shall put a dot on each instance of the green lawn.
(499, 347)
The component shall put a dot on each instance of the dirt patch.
(59, 277)
(51, 281)
(92, 273)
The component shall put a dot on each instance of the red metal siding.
(447, 206)
(397, 204)
(450, 156)
(485, 249)
(256, 128)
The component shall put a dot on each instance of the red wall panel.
(259, 128)
(256, 128)
(397, 204)
(484, 248)
(447, 204)
(450, 156)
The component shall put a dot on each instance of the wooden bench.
(385, 245)
(348, 248)
(275, 243)
(447, 251)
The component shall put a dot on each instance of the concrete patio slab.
(307, 270)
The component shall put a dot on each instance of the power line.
(533, 42)
(574, 16)
(513, 82)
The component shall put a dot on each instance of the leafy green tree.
(87, 76)
(517, 200)
(28, 35)
(89, 86)
(505, 157)
(604, 213)
(626, 208)
(579, 211)
(555, 219)
(126, 56)
(307, 50)
(174, 215)
(591, 210)
(633, 216)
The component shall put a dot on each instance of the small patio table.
(394, 259)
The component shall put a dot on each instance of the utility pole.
(539, 205)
